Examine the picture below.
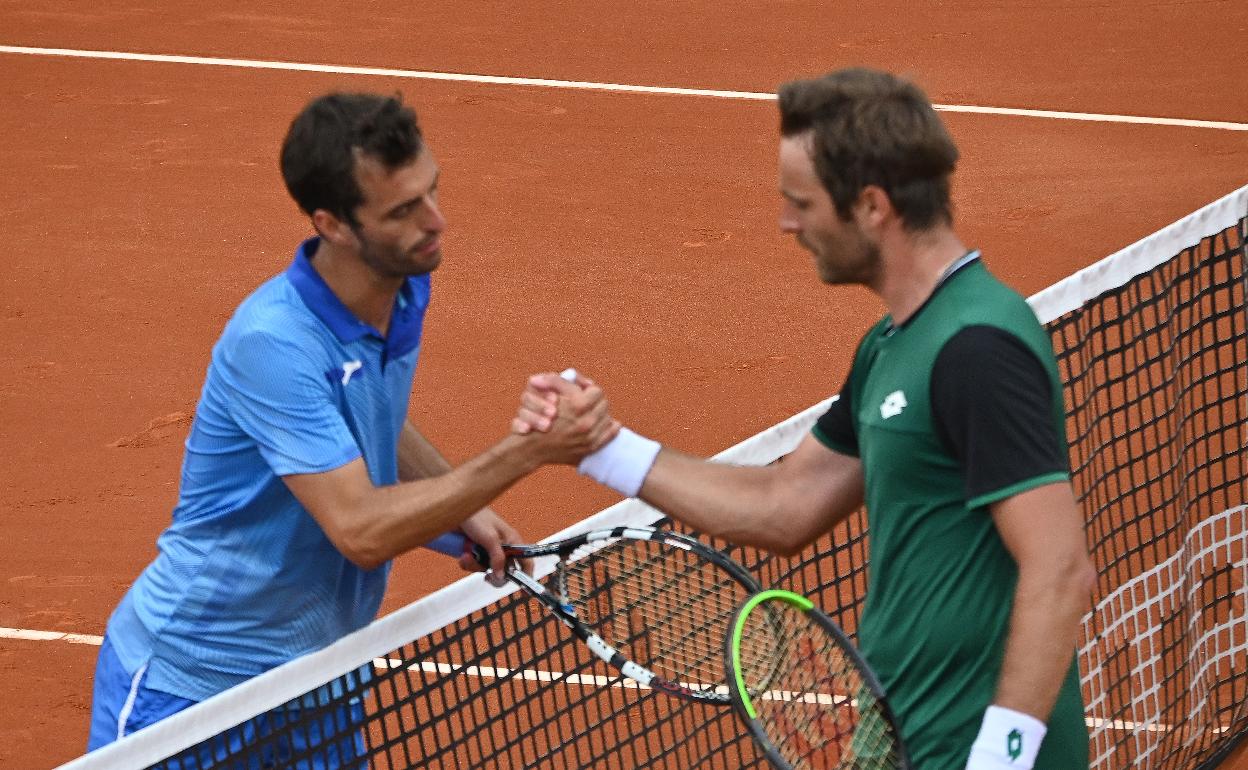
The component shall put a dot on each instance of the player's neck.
(913, 265)
(365, 293)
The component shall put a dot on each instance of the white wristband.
(623, 463)
(1007, 739)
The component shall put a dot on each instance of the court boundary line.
(538, 675)
(33, 635)
(586, 85)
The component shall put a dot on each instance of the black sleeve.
(835, 427)
(992, 408)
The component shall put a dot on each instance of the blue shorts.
(121, 704)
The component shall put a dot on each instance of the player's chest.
(365, 382)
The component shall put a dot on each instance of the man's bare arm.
(1043, 531)
(781, 507)
(371, 524)
(420, 459)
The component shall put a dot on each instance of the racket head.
(807, 696)
(653, 603)
(662, 600)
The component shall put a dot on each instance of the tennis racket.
(807, 696)
(654, 604)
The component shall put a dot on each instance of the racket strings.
(810, 696)
(673, 627)
(663, 607)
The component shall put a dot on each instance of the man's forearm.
(718, 499)
(780, 507)
(1044, 629)
(1042, 529)
(402, 516)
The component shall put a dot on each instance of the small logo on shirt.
(349, 368)
(893, 404)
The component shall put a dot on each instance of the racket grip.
(454, 544)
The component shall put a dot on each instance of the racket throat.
(625, 666)
(561, 587)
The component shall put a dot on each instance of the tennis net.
(1153, 349)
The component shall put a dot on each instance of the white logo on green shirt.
(893, 404)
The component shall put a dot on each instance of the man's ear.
(333, 229)
(873, 209)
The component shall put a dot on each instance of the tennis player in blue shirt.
(302, 477)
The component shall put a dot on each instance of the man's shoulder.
(272, 326)
(989, 293)
(274, 309)
(979, 298)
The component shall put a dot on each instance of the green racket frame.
(743, 702)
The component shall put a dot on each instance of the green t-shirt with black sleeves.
(956, 409)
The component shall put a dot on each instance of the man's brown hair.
(871, 128)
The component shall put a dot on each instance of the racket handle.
(454, 544)
(568, 374)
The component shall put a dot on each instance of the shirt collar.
(959, 263)
(406, 319)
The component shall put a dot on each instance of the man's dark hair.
(320, 149)
(871, 128)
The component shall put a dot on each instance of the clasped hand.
(566, 419)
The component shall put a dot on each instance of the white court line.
(587, 85)
(489, 672)
(530, 675)
(49, 636)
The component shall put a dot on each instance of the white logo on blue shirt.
(349, 368)
(893, 404)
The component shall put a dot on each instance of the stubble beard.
(391, 263)
(861, 269)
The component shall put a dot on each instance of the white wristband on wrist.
(623, 463)
(625, 460)
(1007, 739)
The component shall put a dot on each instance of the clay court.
(631, 234)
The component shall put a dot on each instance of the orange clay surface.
(630, 235)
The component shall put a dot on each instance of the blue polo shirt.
(245, 578)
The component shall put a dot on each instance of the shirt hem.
(989, 498)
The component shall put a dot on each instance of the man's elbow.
(1068, 578)
(1084, 578)
(788, 545)
(770, 532)
(366, 555)
(1075, 577)
(782, 540)
(356, 543)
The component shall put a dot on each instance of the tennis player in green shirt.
(949, 428)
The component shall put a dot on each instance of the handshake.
(565, 418)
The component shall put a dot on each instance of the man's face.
(842, 251)
(399, 223)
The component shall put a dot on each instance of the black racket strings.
(664, 607)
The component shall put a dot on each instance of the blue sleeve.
(285, 402)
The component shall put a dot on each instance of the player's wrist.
(520, 454)
(1007, 740)
(623, 463)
